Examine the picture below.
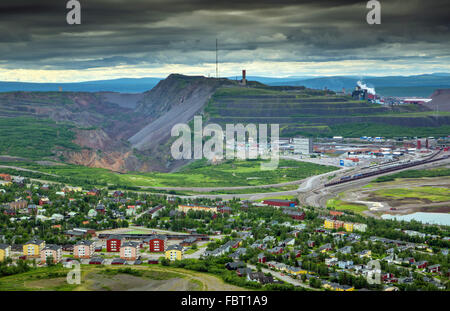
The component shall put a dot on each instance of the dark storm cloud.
(34, 34)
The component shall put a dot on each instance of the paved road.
(319, 195)
(284, 277)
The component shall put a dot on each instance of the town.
(269, 244)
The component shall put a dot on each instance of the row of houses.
(347, 226)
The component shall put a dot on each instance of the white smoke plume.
(363, 86)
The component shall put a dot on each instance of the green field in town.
(198, 174)
(342, 205)
(434, 194)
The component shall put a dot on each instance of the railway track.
(431, 159)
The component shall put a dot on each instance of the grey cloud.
(33, 34)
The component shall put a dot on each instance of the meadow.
(198, 174)
(346, 206)
(434, 194)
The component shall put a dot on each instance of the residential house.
(97, 261)
(364, 253)
(92, 213)
(331, 261)
(32, 248)
(57, 217)
(156, 243)
(188, 241)
(243, 271)
(325, 248)
(119, 261)
(129, 250)
(337, 287)
(52, 251)
(100, 209)
(297, 215)
(237, 254)
(276, 250)
(5, 251)
(174, 252)
(359, 227)
(262, 258)
(113, 244)
(260, 278)
(345, 264)
(234, 265)
(84, 249)
(421, 264)
(18, 204)
(288, 241)
(186, 208)
(434, 268)
(345, 250)
(268, 239)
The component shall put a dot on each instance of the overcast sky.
(153, 38)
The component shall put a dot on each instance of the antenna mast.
(217, 62)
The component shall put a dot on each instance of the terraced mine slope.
(314, 113)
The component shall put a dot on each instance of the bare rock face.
(174, 100)
(440, 100)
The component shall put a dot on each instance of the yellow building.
(174, 252)
(338, 287)
(296, 271)
(348, 226)
(33, 248)
(186, 208)
(73, 189)
(5, 251)
(328, 224)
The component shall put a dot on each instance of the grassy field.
(101, 278)
(342, 205)
(198, 174)
(434, 194)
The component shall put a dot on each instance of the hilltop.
(131, 132)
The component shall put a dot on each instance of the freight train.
(390, 168)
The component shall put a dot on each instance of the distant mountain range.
(418, 85)
(124, 85)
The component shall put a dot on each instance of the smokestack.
(244, 81)
(419, 144)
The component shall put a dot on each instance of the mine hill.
(131, 132)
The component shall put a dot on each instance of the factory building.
(303, 145)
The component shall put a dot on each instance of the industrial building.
(303, 145)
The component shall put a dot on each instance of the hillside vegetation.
(34, 138)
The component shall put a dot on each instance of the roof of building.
(85, 242)
(175, 247)
(35, 241)
(53, 247)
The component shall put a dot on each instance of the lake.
(430, 218)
